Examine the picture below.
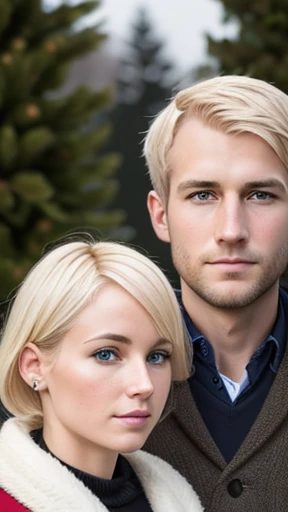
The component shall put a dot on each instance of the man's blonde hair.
(231, 104)
(57, 289)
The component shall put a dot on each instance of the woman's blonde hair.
(231, 104)
(54, 292)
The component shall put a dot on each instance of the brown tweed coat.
(256, 479)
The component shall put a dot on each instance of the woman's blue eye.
(105, 355)
(158, 357)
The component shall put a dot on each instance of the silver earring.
(35, 383)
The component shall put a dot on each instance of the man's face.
(227, 215)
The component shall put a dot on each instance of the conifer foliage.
(53, 177)
(260, 48)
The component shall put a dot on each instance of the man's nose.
(231, 223)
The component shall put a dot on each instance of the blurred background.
(80, 82)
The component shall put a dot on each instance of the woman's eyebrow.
(110, 336)
(124, 339)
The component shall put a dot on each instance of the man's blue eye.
(158, 357)
(202, 195)
(105, 355)
(262, 195)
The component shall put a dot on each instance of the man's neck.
(234, 334)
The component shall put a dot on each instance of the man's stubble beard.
(201, 285)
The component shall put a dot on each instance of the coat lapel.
(186, 414)
(272, 414)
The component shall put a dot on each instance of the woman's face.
(110, 381)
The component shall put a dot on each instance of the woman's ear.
(31, 367)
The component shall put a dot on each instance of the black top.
(123, 493)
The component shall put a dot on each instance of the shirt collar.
(277, 337)
(192, 330)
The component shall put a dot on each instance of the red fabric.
(9, 504)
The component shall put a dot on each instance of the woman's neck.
(80, 453)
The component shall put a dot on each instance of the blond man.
(218, 161)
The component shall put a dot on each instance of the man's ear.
(158, 216)
(31, 366)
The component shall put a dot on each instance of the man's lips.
(232, 261)
(232, 264)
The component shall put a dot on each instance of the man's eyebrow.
(197, 184)
(271, 183)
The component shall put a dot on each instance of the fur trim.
(170, 491)
(37, 479)
(43, 484)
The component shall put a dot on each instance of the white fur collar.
(43, 484)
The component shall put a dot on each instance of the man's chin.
(229, 295)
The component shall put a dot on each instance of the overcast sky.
(180, 24)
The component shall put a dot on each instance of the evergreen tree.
(52, 175)
(260, 48)
(144, 86)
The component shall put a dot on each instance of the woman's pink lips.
(134, 418)
(134, 421)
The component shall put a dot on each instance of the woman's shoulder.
(7, 502)
(162, 482)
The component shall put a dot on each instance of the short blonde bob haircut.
(231, 104)
(57, 289)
